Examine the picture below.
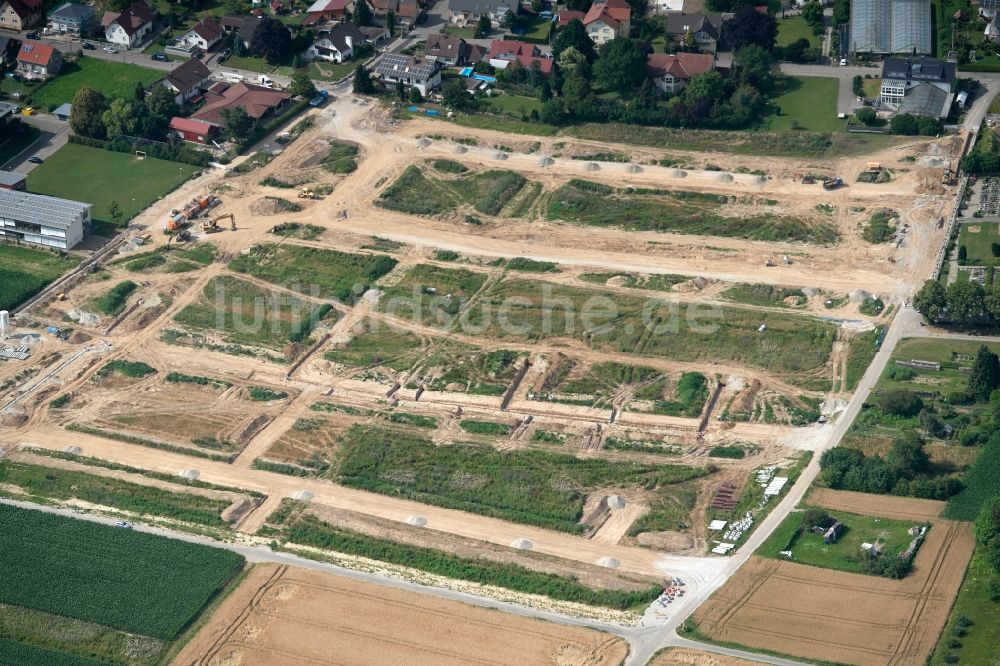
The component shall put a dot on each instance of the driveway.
(54, 135)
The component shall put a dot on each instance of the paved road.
(54, 135)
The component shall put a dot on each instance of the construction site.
(481, 344)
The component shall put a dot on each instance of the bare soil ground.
(689, 657)
(293, 616)
(843, 617)
(887, 506)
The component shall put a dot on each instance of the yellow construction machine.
(212, 226)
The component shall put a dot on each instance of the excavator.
(212, 226)
(307, 193)
(181, 236)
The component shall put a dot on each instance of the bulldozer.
(212, 226)
(306, 193)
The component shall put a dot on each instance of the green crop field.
(976, 602)
(789, 344)
(431, 295)
(24, 272)
(247, 314)
(314, 272)
(98, 177)
(513, 485)
(126, 580)
(114, 79)
(595, 204)
(845, 554)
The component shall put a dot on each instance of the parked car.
(319, 99)
(27, 111)
(34, 159)
(88, 46)
(162, 57)
(124, 524)
(33, 35)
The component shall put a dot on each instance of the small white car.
(843, 62)
(124, 524)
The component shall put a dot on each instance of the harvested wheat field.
(887, 506)
(689, 657)
(843, 617)
(284, 616)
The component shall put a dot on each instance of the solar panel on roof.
(27, 48)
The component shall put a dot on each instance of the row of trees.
(140, 115)
(960, 302)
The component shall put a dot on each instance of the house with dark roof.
(336, 45)
(129, 26)
(706, 29)
(38, 61)
(423, 74)
(258, 101)
(920, 86)
(670, 72)
(467, 12)
(20, 14)
(72, 18)
(244, 26)
(504, 51)
(328, 11)
(204, 34)
(187, 81)
(608, 19)
(451, 51)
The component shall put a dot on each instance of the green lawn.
(979, 644)
(249, 64)
(515, 104)
(794, 28)
(114, 79)
(977, 243)
(537, 30)
(465, 33)
(99, 177)
(807, 102)
(844, 555)
(25, 271)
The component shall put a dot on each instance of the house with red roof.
(20, 14)
(258, 101)
(328, 11)
(606, 20)
(38, 61)
(670, 72)
(204, 34)
(566, 15)
(192, 130)
(504, 51)
(129, 26)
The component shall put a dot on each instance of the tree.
(302, 85)
(835, 463)
(988, 521)
(841, 12)
(866, 115)
(907, 455)
(363, 13)
(812, 12)
(125, 117)
(574, 35)
(621, 65)
(755, 67)
(688, 42)
(903, 123)
(749, 26)
(814, 516)
(984, 377)
(415, 96)
(400, 90)
(162, 107)
(483, 27)
(238, 123)
(272, 40)
(930, 301)
(363, 81)
(86, 118)
(928, 126)
(963, 254)
(965, 301)
(899, 402)
(139, 93)
(858, 86)
(456, 97)
(115, 212)
(390, 22)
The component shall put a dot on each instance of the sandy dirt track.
(843, 617)
(688, 657)
(900, 508)
(283, 616)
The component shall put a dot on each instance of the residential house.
(187, 81)
(72, 18)
(503, 52)
(670, 72)
(467, 12)
(259, 102)
(328, 11)
(564, 17)
(244, 26)
(204, 34)
(38, 61)
(130, 26)
(374, 33)
(9, 48)
(20, 14)
(337, 45)
(919, 86)
(408, 13)
(705, 28)
(451, 51)
(415, 72)
(194, 131)
(606, 20)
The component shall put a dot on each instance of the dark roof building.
(921, 86)
(187, 80)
